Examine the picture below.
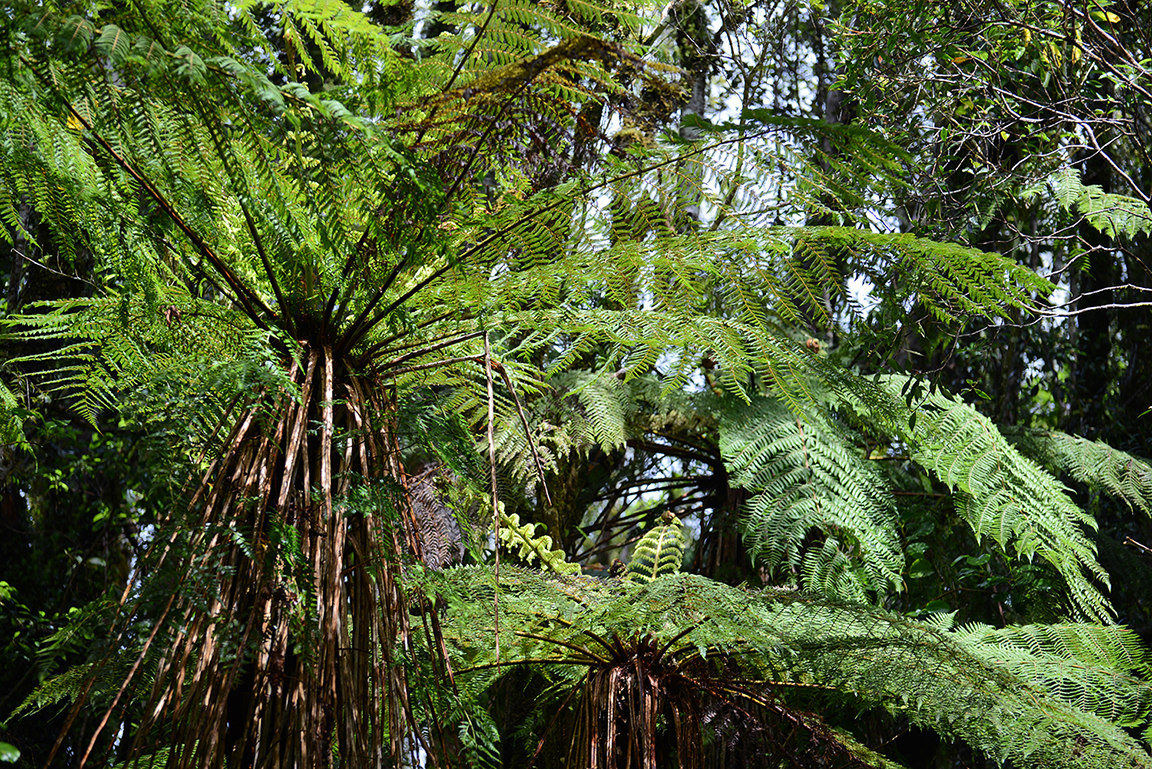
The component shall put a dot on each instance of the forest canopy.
(705, 383)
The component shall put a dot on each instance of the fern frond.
(12, 416)
(606, 403)
(132, 344)
(659, 552)
(1093, 463)
(65, 686)
(999, 492)
(808, 477)
(834, 570)
(1096, 669)
(1114, 215)
(522, 539)
(1034, 696)
(951, 281)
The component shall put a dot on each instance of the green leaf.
(113, 43)
(189, 64)
(920, 568)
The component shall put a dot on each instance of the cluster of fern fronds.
(605, 650)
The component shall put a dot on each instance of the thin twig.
(495, 491)
(1137, 545)
(527, 434)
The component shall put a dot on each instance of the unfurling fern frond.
(521, 538)
(998, 491)
(1093, 463)
(659, 552)
(808, 477)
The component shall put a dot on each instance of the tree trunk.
(279, 645)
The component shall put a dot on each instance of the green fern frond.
(1097, 669)
(1001, 494)
(606, 402)
(632, 342)
(1034, 696)
(62, 687)
(132, 344)
(940, 682)
(659, 552)
(807, 476)
(835, 571)
(1093, 463)
(12, 417)
(522, 539)
(951, 281)
(1114, 215)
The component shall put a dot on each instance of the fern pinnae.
(659, 552)
(1097, 669)
(1093, 463)
(1022, 508)
(974, 683)
(1114, 215)
(805, 475)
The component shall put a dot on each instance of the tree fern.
(1034, 696)
(293, 178)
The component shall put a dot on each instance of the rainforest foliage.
(705, 383)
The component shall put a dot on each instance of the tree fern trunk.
(290, 608)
